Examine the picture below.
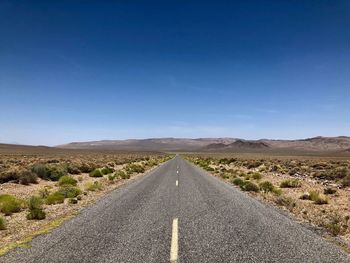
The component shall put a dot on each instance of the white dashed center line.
(174, 242)
(177, 182)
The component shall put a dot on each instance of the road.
(181, 214)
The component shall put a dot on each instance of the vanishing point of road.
(178, 213)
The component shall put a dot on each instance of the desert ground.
(40, 187)
(314, 189)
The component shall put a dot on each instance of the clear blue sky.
(85, 70)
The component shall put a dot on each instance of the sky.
(93, 70)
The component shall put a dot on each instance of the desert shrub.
(73, 169)
(329, 191)
(256, 176)
(290, 183)
(277, 191)
(266, 186)
(8, 176)
(107, 170)
(334, 174)
(27, 177)
(67, 180)
(341, 172)
(134, 168)
(238, 181)
(55, 172)
(122, 175)
(35, 209)
(96, 173)
(55, 198)
(345, 182)
(250, 187)
(314, 195)
(285, 201)
(276, 168)
(69, 191)
(49, 172)
(40, 170)
(254, 164)
(35, 202)
(334, 224)
(10, 204)
(93, 186)
(2, 223)
(317, 198)
(86, 167)
(17, 175)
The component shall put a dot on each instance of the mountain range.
(315, 144)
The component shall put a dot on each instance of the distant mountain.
(316, 144)
(155, 144)
(238, 145)
(312, 144)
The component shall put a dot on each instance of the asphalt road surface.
(178, 213)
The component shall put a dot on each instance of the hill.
(316, 144)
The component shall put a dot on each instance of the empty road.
(178, 213)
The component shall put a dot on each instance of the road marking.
(177, 182)
(174, 242)
(177, 172)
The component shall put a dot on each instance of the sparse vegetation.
(290, 183)
(106, 170)
(27, 177)
(134, 168)
(334, 224)
(10, 204)
(313, 189)
(256, 176)
(122, 175)
(285, 201)
(317, 198)
(35, 209)
(249, 186)
(266, 186)
(96, 173)
(40, 170)
(55, 198)
(58, 174)
(18, 175)
(238, 181)
(93, 186)
(67, 180)
(69, 191)
(345, 182)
